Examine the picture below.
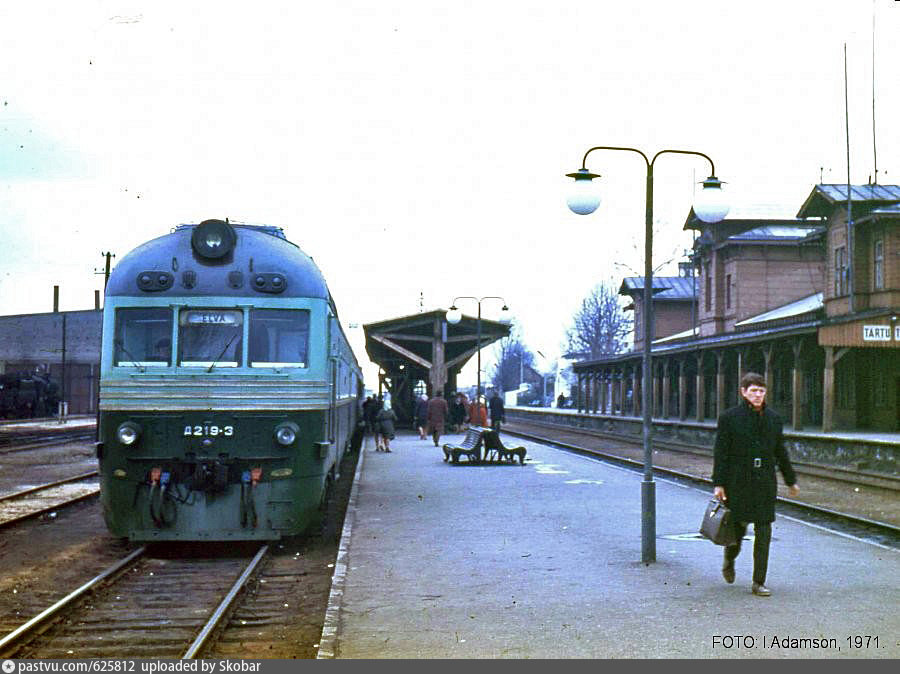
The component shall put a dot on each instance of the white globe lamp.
(711, 205)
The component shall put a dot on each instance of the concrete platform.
(543, 561)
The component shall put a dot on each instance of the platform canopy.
(425, 346)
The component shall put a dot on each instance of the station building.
(811, 302)
(63, 344)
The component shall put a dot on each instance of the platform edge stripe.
(328, 639)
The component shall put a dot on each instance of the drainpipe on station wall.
(63, 405)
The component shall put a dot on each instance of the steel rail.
(8, 644)
(837, 473)
(49, 485)
(63, 504)
(12, 423)
(8, 446)
(881, 528)
(222, 610)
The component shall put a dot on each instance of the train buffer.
(494, 450)
(470, 446)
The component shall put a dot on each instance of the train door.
(333, 371)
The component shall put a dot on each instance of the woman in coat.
(384, 422)
(458, 412)
(749, 446)
(478, 412)
(421, 415)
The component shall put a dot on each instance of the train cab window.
(143, 337)
(279, 337)
(210, 337)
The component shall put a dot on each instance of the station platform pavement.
(544, 561)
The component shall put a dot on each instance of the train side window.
(143, 337)
(279, 337)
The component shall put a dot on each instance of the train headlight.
(128, 433)
(286, 433)
(213, 239)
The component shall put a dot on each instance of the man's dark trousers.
(762, 537)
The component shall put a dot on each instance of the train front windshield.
(278, 338)
(211, 336)
(143, 337)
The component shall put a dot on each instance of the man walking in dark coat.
(497, 411)
(749, 444)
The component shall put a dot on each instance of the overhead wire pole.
(108, 255)
(105, 272)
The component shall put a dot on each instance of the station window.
(840, 271)
(279, 338)
(878, 264)
(143, 337)
(208, 337)
(728, 291)
(707, 290)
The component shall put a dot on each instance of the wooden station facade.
(810, 302)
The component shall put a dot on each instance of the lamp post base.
(648, 521)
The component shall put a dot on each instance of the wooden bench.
(470, 446)
(495, 451)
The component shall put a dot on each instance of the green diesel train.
(228, 390)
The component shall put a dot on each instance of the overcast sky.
(421, 147)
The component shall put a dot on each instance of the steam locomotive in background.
(228, 392)
(24, 395)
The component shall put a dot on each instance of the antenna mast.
(849, 195)
(874, 146)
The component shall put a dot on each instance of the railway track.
(615, 449)
(46, 498)
(146, 605)
(21, 441)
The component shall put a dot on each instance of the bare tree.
(513, 361)
(599, 327)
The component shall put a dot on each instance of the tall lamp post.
(454, 316)
(710, 207)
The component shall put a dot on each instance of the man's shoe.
(728, 572)
(761, 590)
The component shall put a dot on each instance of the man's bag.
(717, 524)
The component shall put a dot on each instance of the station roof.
(823, 198)
(408, 340)
(804, 305)
(664, 287)
(776, 232)
(749, 216)
(889, 211)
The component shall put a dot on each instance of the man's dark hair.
(753, 379)
(439, 394)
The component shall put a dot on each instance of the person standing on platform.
(436, 412)
(458, 412)
(749, 445)
(421, 415)
(478, 412)
(384, 422)
(498, 413)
